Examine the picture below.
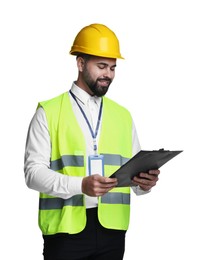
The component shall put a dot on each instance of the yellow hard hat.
(97, 40)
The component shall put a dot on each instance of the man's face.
(98, 73)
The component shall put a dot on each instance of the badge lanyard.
(94, 134)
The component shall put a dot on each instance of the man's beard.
(96, 86)
(97, 89)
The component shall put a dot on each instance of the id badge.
(96, 164)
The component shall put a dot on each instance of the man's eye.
(101, 66)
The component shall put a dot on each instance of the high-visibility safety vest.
(68, 156)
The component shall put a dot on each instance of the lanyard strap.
(93, 134)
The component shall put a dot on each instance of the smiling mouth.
(104, 82)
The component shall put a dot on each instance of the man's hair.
(85, 57)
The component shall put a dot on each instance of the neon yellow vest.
(68, 156)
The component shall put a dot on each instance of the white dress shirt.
(38, 150)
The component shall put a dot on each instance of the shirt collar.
(83, 96)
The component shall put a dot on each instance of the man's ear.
(80, 63)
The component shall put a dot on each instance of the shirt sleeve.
(38, 175)
(136, 148)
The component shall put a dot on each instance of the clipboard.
(143, 161)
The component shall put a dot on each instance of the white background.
(162, 81)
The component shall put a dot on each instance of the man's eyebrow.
(106, 64)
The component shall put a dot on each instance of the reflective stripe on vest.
(77, 200)
(67, 160)
(78, 161)
(58, 203)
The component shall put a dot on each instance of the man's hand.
(96, 185)
(146, 180)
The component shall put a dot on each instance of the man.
(75, 142)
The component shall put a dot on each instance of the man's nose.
(108, 73)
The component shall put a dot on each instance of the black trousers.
(94, 243)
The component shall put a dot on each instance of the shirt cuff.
(138, 191)
(75, 185)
